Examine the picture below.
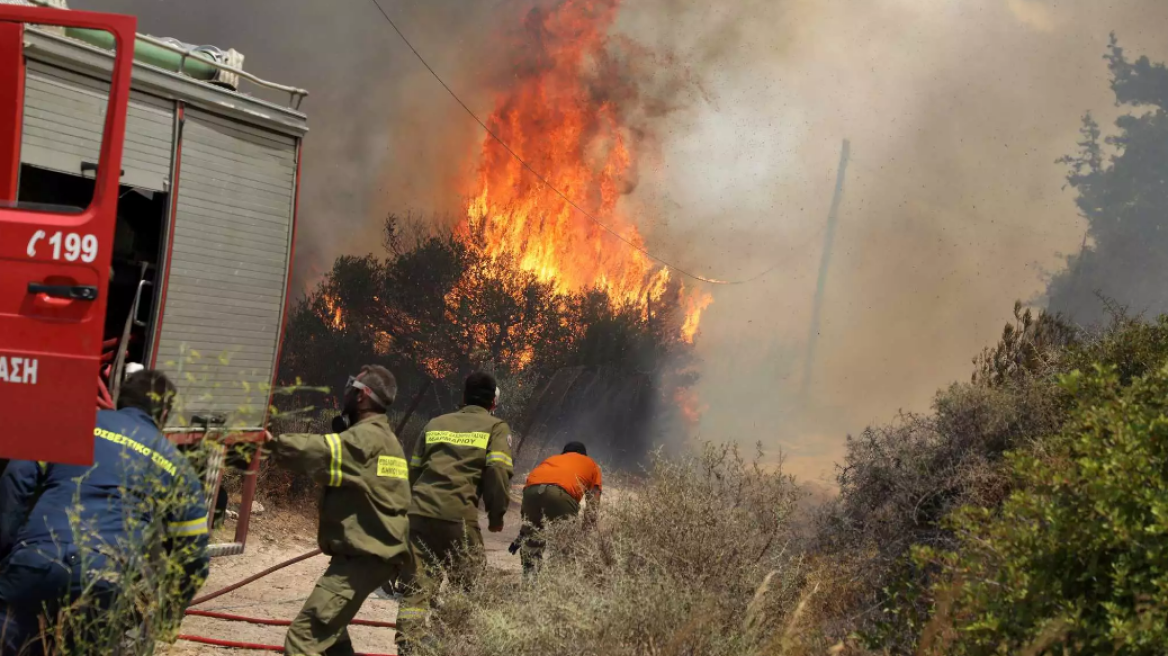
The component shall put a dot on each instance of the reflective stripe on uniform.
(138, 447)
(416, 461)
(334, 445)
(392, 467)
(411, 613)
(189, 528)
(476, 440)
(499, 458)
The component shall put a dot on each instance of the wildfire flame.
(694, 305)
(333, 310)
(551, 118)
(689, 404)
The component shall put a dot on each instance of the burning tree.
(440, 307)
(545, 272)
(566, 115)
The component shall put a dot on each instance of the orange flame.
(552, 119)
(436, 368)
(333, 310)
(694, 305)
(689, 404)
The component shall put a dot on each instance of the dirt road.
(276, 537)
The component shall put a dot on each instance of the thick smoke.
(954, 206)
(383, 134)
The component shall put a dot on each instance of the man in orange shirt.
(553, 491)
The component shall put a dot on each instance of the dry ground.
(279, 535)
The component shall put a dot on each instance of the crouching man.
(553, 491)
(363, 521)
(93, 540)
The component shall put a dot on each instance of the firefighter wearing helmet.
(459, 458)
(363, 524)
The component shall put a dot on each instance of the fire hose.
(273, 622)
(193, 612)
(254, 577)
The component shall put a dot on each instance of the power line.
(543, 179)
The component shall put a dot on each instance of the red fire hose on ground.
(193, 612)
(270, 622)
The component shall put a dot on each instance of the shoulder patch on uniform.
(508, 440)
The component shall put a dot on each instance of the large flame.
(551, 116)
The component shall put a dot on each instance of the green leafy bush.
(900, 481)
(1077, 557)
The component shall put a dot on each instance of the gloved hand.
(515, 546)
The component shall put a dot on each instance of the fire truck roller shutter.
(63, 119)
(228, 266)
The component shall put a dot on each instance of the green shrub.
(1077, 557)
(1131, 345)
(900, 481)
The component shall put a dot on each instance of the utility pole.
(824, 263)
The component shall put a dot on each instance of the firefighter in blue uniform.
(69, 529)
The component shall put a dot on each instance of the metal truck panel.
(63, 117)
(77, 55)
(230, 276)
(228, 265)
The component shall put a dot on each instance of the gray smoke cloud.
(383, 134)
(954, 207)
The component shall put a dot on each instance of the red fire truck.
(147, 219)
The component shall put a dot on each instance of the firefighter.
(553, 491)
(72, 533)
(459, 458)
(363, 523)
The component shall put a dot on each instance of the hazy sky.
(954, 206)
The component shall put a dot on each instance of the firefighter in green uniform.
(459, 458)
(363, 514)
